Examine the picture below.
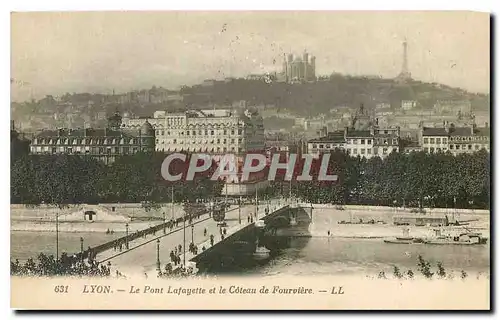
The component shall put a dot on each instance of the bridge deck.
(142, 255)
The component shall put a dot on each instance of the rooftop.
(456, 131)
(434, 131)
(81, 133)
(335, 136)
(359, 133)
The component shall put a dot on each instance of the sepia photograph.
(250, 160)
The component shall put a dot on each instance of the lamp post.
(158, 266)
(256, 201)
(239, 210)
(192, 233)
(57, 236)
(312, 213)
(81, 248)
(172, 203)
(184, 243)
(164, 226)
(454, 207)
(126, 236)
(268, 203)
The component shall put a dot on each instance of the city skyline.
(53, 53)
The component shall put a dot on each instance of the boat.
(403, 240)
(261, 253)
(260, 224)
(464, 239)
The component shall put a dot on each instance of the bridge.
(152, 250)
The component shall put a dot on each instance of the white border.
(61, 5)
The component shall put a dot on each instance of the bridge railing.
(136, 235)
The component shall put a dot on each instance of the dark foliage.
(67, 179)
(66, 265)
(411, 180)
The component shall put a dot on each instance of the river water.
(302, 256)
(328, 256)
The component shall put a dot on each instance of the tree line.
(415, 180)
(411, 180)
(67, 179)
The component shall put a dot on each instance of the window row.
(436, 140)
(472, 138)
(326, 146)
(85, 150)
(360, 141)
(214, 141)
(88, 141)
(467, 147)
(202, 149)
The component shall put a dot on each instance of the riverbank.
(330, 220)
(78, 227)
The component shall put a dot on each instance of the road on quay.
(142, 256)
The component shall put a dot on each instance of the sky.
(54, 53)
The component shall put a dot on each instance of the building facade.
(434, 140)
(299, 69)
(364, 137)
(457, 140)
(364, 143)
(408, 104)
(328, 143)
(207, 131)
(373, 142)
(469, 139)
(104, 144)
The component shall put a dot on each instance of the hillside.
(310, 99)
(304, 99)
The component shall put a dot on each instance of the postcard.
(250, 160)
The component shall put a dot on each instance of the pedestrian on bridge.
(205, 232)
(212, 239)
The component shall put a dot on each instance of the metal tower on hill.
(405, 74)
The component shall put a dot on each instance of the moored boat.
(405, 240)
